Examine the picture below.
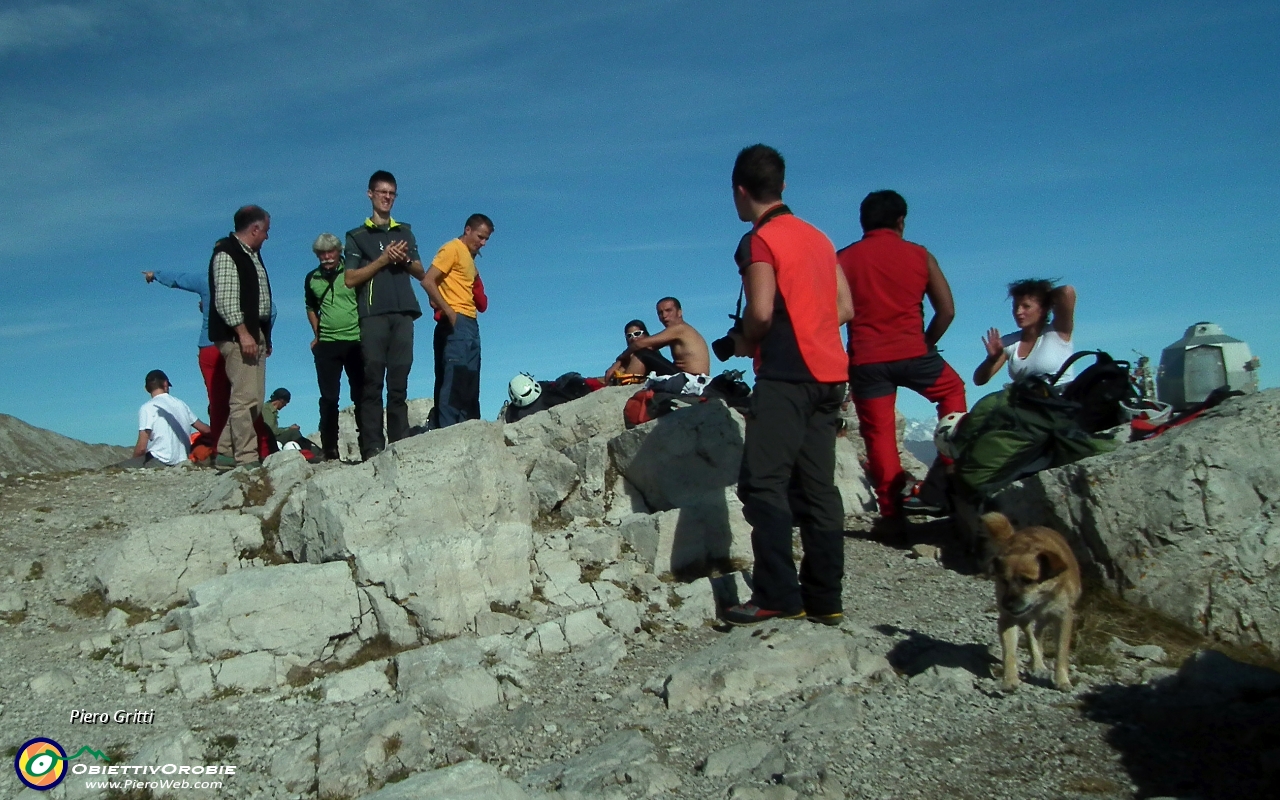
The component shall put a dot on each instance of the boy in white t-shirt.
(164, 425)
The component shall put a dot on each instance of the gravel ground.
(940, 729)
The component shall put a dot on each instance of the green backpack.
(1017, 432)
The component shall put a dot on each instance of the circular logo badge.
(41, 764)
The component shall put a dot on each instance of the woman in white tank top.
(1041, 344)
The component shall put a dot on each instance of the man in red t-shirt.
(796, 303)
(889, 345)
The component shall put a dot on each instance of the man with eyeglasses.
(633, 365)
(380, 258)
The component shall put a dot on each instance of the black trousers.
(788, 477)
(332, 359)
(386, 341)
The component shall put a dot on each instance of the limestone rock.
(12, 601)
(448, 677)
(1187, 524)
(770, 660)
(293, 764)
(154, 565)
(562, 426)
(289, 609)
(690, 540)
(53, 682)
(851, 479)
(597, 770)
(683, 457)
(470, 780)
(441, 521)
(760, 759)
(374, 744)
(354, 684)
(168, 748)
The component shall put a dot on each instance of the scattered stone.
(12, 601)
(117, 620)
(53, 682)
(757, 758)
(353, 684)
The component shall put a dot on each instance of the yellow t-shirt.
(459, 268)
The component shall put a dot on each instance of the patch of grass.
(398, 776)
(256, 487)
(376, 649)
(1102, 615)
(650, 627)
(44, 509)
(674, 600)
(118, 752)
(1091, 785)
(36, 572)
(90, 605)
(503, 608)
(220, 747)
(225, 692)
(132, 794)
(391, 745)
(14, 617)
(11, 751)
(591, 572)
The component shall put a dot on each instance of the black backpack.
(1099, 390)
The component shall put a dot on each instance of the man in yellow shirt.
(450, 283)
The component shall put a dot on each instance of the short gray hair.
(326, 242)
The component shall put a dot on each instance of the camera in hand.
(724, 347)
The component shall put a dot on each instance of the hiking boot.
(913, 502)
(833, 619)
(224, 463)
(750, 614)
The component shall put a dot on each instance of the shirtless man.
(688, 348)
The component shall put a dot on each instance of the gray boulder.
(684, 457)
(293, 609)
(562, 426)
(765, 662)
(470, 780)
(441, 521)
(154, 565)
(1187, 524)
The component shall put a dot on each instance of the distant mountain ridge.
(26, 448)
(918, 439)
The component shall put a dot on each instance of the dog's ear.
(1051, 565)
(998, 526)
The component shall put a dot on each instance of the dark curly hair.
(1039, 288)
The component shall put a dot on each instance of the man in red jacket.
(889, 345)
(796, 302)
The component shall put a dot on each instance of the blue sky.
(1129, 149)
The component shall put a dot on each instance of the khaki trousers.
(248, 390)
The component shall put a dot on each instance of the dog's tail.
(998, 526)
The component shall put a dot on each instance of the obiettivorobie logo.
(42, 763)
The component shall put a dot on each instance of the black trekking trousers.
(788, 477)
(332, 359)
(386, 341)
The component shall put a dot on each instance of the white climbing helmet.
(523, 390)
(944, 434)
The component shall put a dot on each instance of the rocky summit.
(529, 611)
(25, 448)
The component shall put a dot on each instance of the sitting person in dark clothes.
(271, 417)
(634, 365)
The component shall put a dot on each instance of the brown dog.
(1037, 580)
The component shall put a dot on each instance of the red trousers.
(214, 370)
(875, 390)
